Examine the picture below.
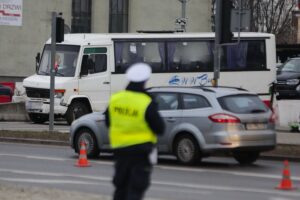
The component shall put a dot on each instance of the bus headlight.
(59, 93)
(292, 81)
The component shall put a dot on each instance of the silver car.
(199, 121)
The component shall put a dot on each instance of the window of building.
(118, 16)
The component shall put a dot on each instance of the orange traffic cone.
(82, 161)
(286, 183)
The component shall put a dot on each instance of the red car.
(6, 94)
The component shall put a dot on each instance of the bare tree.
(271, 16)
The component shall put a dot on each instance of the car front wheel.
(187, 150)
(87, 136)
(246, 157)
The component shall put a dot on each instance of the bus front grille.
(38, 93)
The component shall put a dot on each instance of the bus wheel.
(38, 118)
(76, 110)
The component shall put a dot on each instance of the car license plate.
(34, 105)
(256, 126)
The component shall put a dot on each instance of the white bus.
(90, 67)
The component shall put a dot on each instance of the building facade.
(20, 44)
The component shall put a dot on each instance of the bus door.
(95, 74)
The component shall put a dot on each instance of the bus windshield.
(65, 60)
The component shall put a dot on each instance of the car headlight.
(59, 93)
(292, 81)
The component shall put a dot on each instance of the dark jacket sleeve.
(154, 119)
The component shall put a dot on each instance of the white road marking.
(106, 180)
(98, 178)
(248, 174)
(48, 181)
(52, 158)
(186, 169)
(278, 198)
(225, 188)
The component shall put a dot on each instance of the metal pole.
(52, 71)
(217, 55)
(183, 8)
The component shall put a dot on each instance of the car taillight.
(268, 103)
(224, 118)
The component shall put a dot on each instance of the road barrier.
(287, 113)
(13, 112)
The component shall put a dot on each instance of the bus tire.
(76, 110)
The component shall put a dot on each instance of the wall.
(161, 15)
(287, 112)
(19, 44)
(100, 16)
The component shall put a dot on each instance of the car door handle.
(171, 119)
(106, 82)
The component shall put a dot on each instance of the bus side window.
(128, 53)
(100, 63)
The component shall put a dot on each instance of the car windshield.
(243, 104)
(65, 60)
(291, 66)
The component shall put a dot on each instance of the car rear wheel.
(38, 118)
(246, 157)
(187, 150)
(76, 110)
(87, 136)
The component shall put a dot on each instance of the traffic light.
(226, 34)
(60, 25)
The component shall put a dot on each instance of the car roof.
(217, 91)
(294, 58)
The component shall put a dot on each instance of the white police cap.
(138, 72)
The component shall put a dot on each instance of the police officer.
(134, 122)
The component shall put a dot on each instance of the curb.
(34, 141)
(266, 156)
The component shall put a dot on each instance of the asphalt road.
(215, 179)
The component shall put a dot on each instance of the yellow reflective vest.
(127, 119)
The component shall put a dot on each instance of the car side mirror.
(37, 61)
(84, 66)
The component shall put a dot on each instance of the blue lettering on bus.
(201, 80)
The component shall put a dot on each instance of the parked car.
(199, 122)
(287, 83)
(6, 94)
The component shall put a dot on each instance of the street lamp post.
(182, 21)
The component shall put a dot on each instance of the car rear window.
(243, 104)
